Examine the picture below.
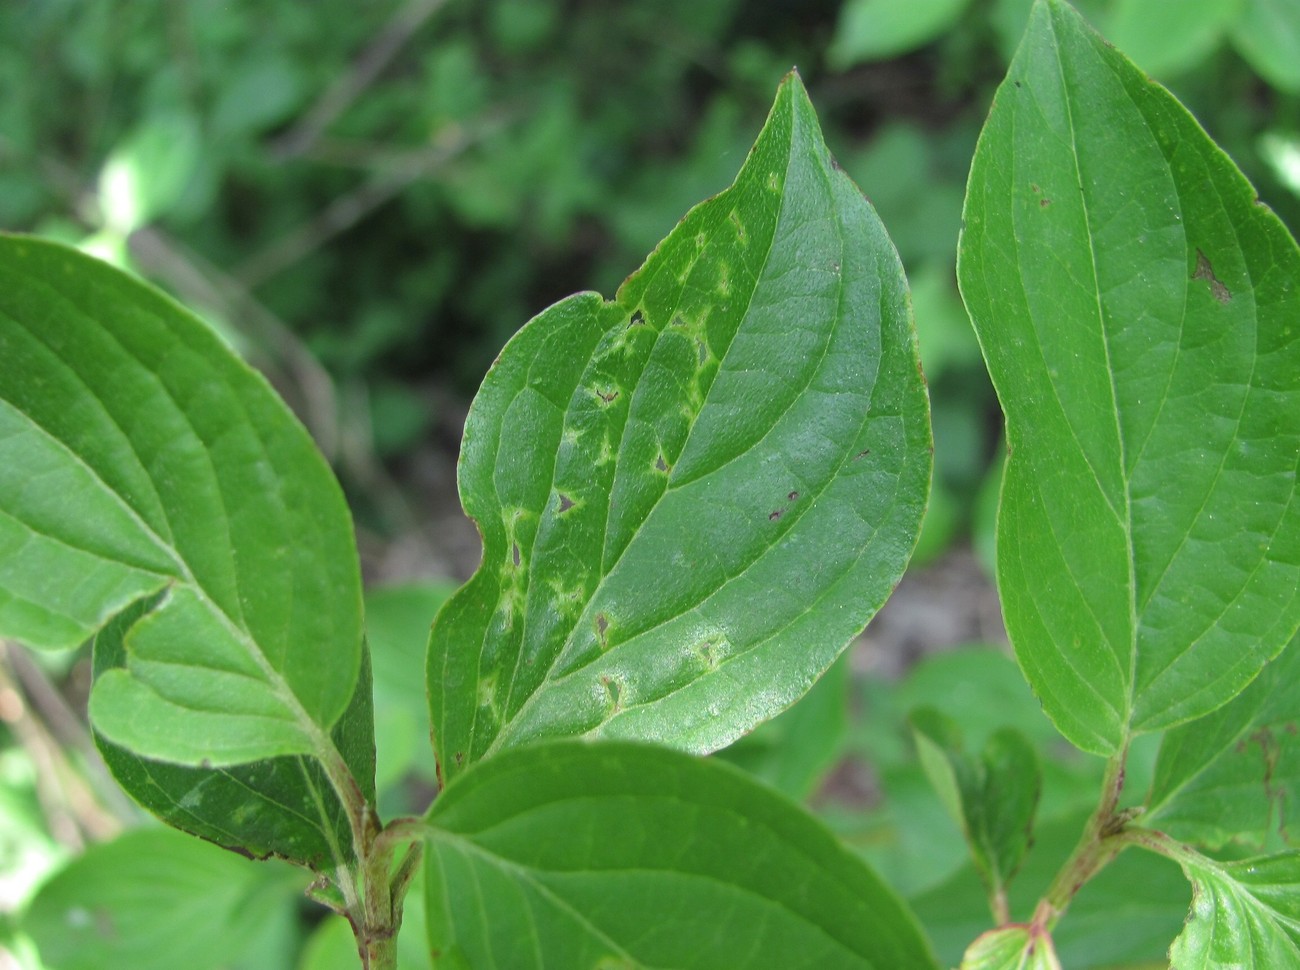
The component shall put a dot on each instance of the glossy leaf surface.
(1234, 775)
(627, 856)
(691, 497)
(158, 899)
(282, 806)
(1136, 307)
(991, 797)
(138, 456)
(1245, 915)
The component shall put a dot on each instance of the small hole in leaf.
(602, 628)
(638, 318)
(660, 464)
(861, 454)
(772, 517)
(793, 496)
(566, 503)
(515, 554)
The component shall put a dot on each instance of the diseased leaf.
(1245, 915)
(282, 806)
(156, 899)
(138, 457)
(626, 856)
(1136, 308)
(1234, 775)
(795, 751)
(1017, 947)
(692, 497)
(992, 798)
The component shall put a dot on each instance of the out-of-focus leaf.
(1012, 948)
(1168, 38)
(745, 424)
(872, 30)
(665, 861)
(1268, 36)
(1135, 305)
(992, 798)
(154, 898)
(147, 173)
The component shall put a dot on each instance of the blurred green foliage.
(369, 198)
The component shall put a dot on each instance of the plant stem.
(1102, 840)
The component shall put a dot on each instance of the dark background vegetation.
(368, 197)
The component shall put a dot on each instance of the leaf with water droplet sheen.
(691, 497)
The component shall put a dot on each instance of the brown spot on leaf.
(1204, 271)
(775, 515)
(607, 396)
(602, 628)
(862, 454)
(792, 496)
(1044, 203)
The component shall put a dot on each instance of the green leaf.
(1012, 948)
(992, 798)
(795, 751)
(282, 807)
(746, 424)
(1234, 775)
(1136, 308)
(665, 861)
(153, 898)
(1245, 915)
(1268, 37)
(138, 456)
(1167, 38)
(871, 30)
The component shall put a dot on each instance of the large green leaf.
(693, 496)
(139, 456)
(872, 30)
(158, 899)
(1234, 775)
(1136, 306)
(282, 806)
(1245, 915)
(626, 856)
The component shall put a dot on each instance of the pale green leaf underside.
(666, 861)
(1268, 36)
(1137, 309)
(693, 497)
(1011, 948)
(1245, 915)
(138, 456)
(284, 806)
